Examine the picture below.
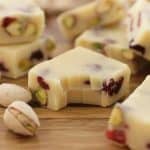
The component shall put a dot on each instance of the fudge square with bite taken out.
(20, 21)
(138, 22)
(112, 41)
(75, 74)
(129, 123)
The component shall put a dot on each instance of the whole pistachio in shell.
(20, 118)
(12, 92)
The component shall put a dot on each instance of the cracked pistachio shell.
(24, 112)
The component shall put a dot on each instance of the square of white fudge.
(138, 22)
(16, 60)
(53, 82)
(20, 21)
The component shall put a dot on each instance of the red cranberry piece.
(112, 87)
(37, 55)
(87, 82)
(148, 146)
(137, 47)
(42, 83)
(117, 136)
(3, 68)
(7, 21)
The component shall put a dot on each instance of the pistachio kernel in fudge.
(116, 117)
(41, 96)
(37, 55)
(69, 21)
(25, 64)
(97, 45)
(42, 83)
(112, 87)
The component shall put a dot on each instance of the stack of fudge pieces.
(81, 75)
(125, 37)
(21, 43)
(105, 26)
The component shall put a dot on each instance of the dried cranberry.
(37, 55)
(112, 87)
(42, 83)
(148, 146)
(7, 21)
(3, 68)
(117, 136)
(87, 82)
(138, 48)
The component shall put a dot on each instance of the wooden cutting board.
(77, 127)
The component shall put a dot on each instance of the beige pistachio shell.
(14, 123)
(11, 92)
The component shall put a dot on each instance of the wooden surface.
(75, 127)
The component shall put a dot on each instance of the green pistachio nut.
(25, 65)
(41, 96)
(69, 21)
(50, 45)
(97, 46)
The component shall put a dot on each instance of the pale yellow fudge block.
(112, 42)
(138, 22)
(20, 21)
(129, 123)
(103, 12)
(16, 60)
(79, 69)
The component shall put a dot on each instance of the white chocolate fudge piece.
(103, 12)
(112, 42)
(21, 21)
(57, 6)
(16, 60)
(129, 123)
(138, 21)
(79, 69)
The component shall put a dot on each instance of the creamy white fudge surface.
(16, 60)
(112, 41)
(20, 21)
(52, 82)
(103, 12)
(129, 123)
(138, 22)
